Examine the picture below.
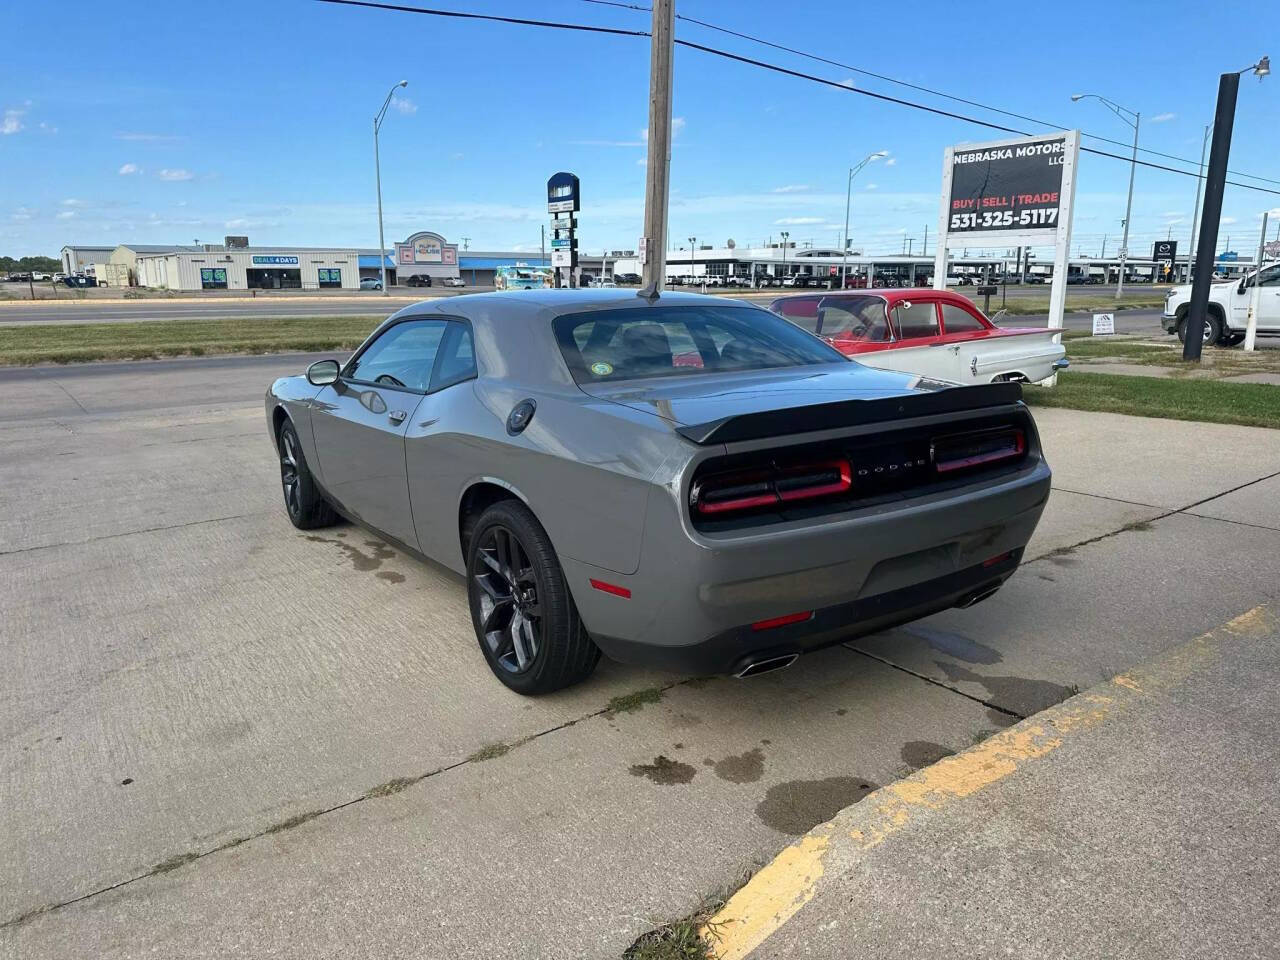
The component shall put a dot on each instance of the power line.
(914, 86)
(763, 64)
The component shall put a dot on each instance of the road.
(222, 736)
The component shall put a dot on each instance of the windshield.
(640, 342)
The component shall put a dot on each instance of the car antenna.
(649, 292)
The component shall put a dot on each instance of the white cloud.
(677, 124)
(891, 162)
(47, 128)
(872, 186)
(127, 169)
(847, 82)
(608, 143)
(12, 121)
(66, 215)
(1163, 118)
(404, 104)
(22, 213)
(792, 188)
(72, 202)
(798, 221)
(1225, 221)
(175, 175)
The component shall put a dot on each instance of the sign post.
(1017, 192)
(564, 199)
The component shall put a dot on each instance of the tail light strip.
(743, 491)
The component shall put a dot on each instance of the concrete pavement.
(319, 763)
(1138, 819)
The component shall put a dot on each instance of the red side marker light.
(782, 621)
(612, 588)
(1000, 559)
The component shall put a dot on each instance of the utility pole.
(924, 247)
(1195, 211)
(377, 168)
(542, 246)
(658, 168)
(1224, 118)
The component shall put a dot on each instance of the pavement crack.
(124, 533)
(70, 395)
(937, 683)
(387, 789)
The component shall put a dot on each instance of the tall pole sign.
(1009, 193)
(564, 200)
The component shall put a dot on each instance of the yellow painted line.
(778, 891)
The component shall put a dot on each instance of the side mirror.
(1244, 282)
(322, 373)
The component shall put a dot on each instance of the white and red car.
(931, 333)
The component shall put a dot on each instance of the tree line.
(27, 264)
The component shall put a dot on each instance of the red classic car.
(933, 333)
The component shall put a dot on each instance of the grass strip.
(1030, 306)
(1209, 401)
(142, 340)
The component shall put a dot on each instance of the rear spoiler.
(849, 413)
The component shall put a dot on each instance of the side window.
(959, 320)
(402, 356)
(860, 319)
(457, 357)
(802, 311)
(916, 320)
(1270, 277)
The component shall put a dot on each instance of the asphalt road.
(222, 736)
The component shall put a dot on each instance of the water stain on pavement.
(921, 753)
(1000, 719)
(664, 771)
(379, 551)
(955, 644)
(390, 576)
(1018, 694)
(797, 806)
(744, 768)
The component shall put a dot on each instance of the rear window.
(668, 341)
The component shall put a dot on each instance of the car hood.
(704, 399)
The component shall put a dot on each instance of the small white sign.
(561, 257)
(560, 206)
(643, 249)
(1104, 323)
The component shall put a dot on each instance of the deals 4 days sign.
(1008, 186)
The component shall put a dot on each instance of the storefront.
(250, 269)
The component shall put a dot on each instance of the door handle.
(397, 416)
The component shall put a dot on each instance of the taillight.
(746, 490)
(977, 449)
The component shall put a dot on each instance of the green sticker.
(601, 369)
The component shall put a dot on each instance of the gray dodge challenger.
(681, 481)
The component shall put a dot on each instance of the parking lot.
(224, 736)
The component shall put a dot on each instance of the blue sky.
(179, 121)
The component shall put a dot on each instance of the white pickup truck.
(1228, 312)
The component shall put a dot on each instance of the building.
(82, 260)
(249, 268)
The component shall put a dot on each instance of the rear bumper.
(693, 600)
(732, 650)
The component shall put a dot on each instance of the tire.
(306, 507)
(1231, 340)
(515, 586)
(1212, 329)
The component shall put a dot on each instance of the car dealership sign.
(1010, 193)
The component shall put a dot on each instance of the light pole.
(1215, 183)
(377, 168)
(784, 254)
(1133, 118)
(848, 195)
(1195, 211)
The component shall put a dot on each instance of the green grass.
(1211, 401)
(1081, 348)
(1024, 306)
(82, 342)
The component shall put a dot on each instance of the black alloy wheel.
(510, 616)
(526, 622)
(306, 506)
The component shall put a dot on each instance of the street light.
(692, 246)
(784, 254)
(377, 167)
(848, 194)
(1132, 118)
(1215, 184)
